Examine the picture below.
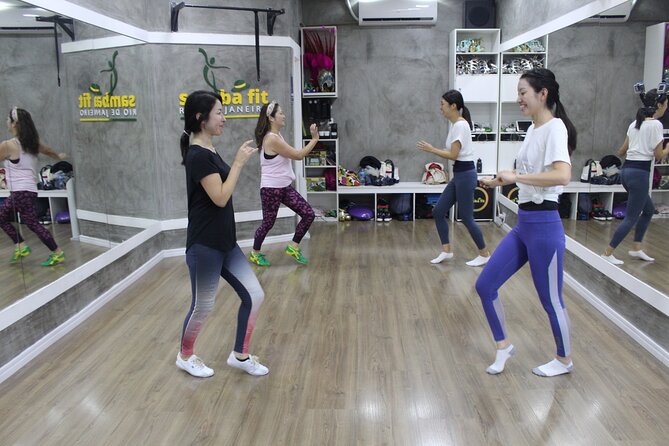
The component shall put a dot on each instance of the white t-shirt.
(542, 147)
(460, 131)
(642, 141)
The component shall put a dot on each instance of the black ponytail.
(198, 102)
(455, 97)
(263, 125)
(540, 78)
(25, 130)
(650, 100)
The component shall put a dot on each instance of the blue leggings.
(539, 239)
(640, 208)
(461, 190)
(206, 266)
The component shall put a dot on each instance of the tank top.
(277, 171)
(21, 174)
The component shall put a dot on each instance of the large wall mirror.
(597, 63)
(32, 72)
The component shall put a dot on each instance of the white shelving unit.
(518, 59)
(316, 108)
(474, 67)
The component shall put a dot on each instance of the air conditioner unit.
(617, 14)
(397, 12)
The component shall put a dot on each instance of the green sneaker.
(54, 259)
(258, 258)
(24, 251)
(296, 253)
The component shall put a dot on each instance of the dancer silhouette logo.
(240, 101)
(96, 106)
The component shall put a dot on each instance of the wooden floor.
(368, 345)
(28, 276)
(596, 235)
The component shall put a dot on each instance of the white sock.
(612, 259)
(478, 261)
(553, 368)
(441, 257)
(642, 255)
(501, 357)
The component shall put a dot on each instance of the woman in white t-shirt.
(644, 142)
(543, 167)
(461, 188)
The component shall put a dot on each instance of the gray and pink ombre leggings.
(206, 266)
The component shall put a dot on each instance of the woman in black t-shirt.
(211, 246)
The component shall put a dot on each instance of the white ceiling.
(12, 15)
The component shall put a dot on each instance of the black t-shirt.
(208, 224)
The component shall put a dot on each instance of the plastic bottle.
(479, 166)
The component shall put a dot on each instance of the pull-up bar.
(271, 18)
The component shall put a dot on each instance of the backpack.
(591, 169)
(434, 174)
(390, 176)
(330, 179)
(584, 207)
(610, 160)
(564, 205)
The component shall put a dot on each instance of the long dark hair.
(263, 125)
(26, 131)
(455, 97)
(202, 102)
(540, 78)
(651, 100)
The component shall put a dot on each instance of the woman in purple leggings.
(20, 156)
(543, 167)
(275, 182)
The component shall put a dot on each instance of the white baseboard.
(52, 337)
(38, 347)
(653, 348)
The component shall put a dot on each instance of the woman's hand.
(313, 129)
(489, 182)
(244, 153)
(425, 146)
(506, 177)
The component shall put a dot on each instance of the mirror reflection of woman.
(276, 178)
(20, 156)
(543, 167)
(212, 251)
(644, 141)
(461, 188)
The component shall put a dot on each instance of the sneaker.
(54, 259)
(251, 365)
(608, 215)
(478, 261)
(599, 216)
(258, 258)
(19, 253)
(194, 366)
(611, 259)
(296, 253)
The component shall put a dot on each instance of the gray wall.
(596, 83)
(390, 82)
(515, 17)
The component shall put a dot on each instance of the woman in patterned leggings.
(275, 182)
(20, 156)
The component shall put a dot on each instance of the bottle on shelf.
(333, 129)
(479, 166)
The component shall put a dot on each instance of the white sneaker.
(194, 366)
(441, 257)
(251, 366)
(612, 260)
(642, 255)
(478, 261)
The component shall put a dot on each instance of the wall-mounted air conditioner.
(617, 14)
(397, 12)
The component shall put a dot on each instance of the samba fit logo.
(240, 101)
(95, 106)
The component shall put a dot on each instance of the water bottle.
(479, 166)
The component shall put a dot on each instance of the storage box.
(315, 184)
